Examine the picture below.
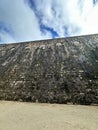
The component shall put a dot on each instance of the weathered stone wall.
(54, 71)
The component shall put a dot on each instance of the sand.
(35, 116)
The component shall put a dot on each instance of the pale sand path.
(31, 116)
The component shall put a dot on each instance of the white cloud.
(66, 17)
(78, 16)
(6, 37)
(21, 19)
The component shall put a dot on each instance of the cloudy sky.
(27, 20)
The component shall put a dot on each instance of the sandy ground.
(31, 116)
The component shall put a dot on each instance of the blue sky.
(29, 20)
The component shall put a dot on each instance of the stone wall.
(53, 71)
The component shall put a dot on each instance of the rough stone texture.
(55, 71)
